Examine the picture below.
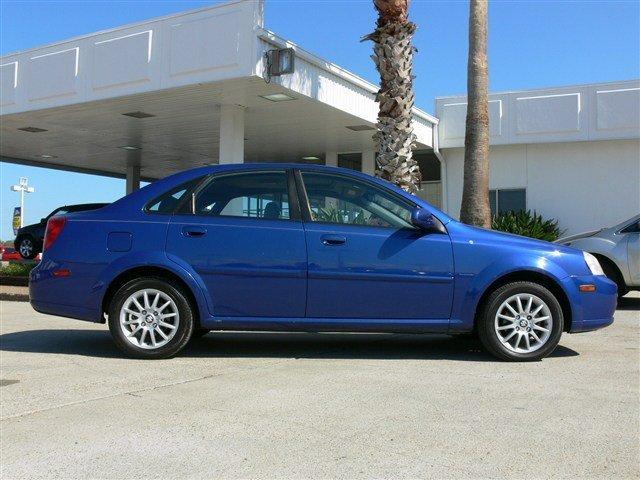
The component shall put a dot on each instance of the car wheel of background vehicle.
(150, 318)
(521, 321)
(27, 248)
(613, 274)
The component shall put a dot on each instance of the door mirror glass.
(424, 220)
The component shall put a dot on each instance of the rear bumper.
(591, 310)
(47, 294)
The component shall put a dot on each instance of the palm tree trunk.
(475, 209)
(393, 56)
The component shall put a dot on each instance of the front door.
(366, 260)
(244, 238)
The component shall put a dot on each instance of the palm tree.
(475, 209)
(393, 56)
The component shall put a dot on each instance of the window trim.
(294, 207)
(196, 182)
(306, 211)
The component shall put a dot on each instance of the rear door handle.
(332, 240)
(193, 231)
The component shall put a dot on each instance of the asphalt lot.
(315, 405)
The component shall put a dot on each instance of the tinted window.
(511, 200)
(252, 195)
(338, 199)
(633, 228)
(58, 211)
(350, 160)
(429, 166)
(168, 202)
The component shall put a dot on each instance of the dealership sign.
(17, 219)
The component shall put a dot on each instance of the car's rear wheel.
(150, 318)
(27, 248)
(521, 321)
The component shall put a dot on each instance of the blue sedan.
(278, 247)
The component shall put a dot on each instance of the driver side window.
(344, 200)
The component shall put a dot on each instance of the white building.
(570, 153)
(148, 99)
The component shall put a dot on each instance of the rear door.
(241, 233)
(366, 260)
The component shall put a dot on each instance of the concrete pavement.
(239, 405)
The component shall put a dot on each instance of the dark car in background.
(29, 239)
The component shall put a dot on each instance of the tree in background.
(393, 56)
(475, 209)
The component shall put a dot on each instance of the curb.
(14, 297)
(14, 281)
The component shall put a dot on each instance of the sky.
(532, 44)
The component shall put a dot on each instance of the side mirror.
(424, 220)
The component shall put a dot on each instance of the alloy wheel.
(523, 323)
(26, 247)
(149, 318)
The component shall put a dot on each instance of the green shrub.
(527, 224)
(17, 269)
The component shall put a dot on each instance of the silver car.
(618, 250)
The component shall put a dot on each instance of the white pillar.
(369, 162)
(231, 134)
(133, 178)
(331, 159)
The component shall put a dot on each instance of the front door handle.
(332, 240)
(193, 231)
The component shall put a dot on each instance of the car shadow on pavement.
(96, 343)
(629, 303)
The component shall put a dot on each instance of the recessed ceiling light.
(277, 97)
(32, 129)
(360, 128)
(48, 156)
(138, 114)
(129, 147)
(310, 158)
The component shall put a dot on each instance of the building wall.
(604, 111)
(584, 185)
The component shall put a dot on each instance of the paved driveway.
(315, 405)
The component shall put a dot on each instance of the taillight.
(54, 228)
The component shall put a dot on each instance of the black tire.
(27, 244)
(487, 318)
(612, 273)
(185, 326)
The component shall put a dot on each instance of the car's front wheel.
(521, 321)
(150, 318)
(27, 248)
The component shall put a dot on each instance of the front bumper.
(591, 310)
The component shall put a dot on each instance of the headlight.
(593, 264)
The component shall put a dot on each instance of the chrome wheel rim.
(26, 247)
(149, 319)
(523, 323)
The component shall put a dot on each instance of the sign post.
(22, 187)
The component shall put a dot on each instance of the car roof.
(137, 199)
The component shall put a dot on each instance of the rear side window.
(251, 195)
(168, 202)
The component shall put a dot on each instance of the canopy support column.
(231, 134)
(133, 178)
